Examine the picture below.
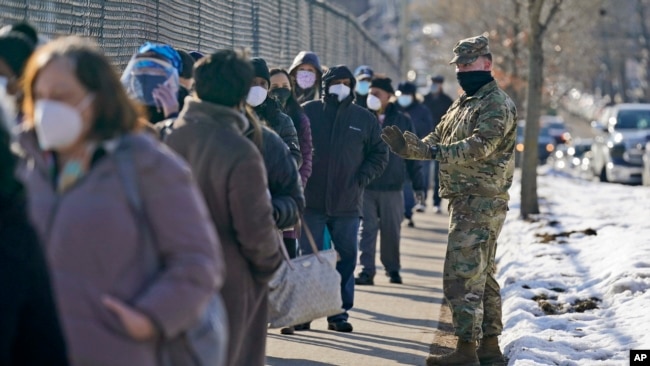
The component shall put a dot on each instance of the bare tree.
(538, 27)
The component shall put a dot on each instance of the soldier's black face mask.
(472, 81)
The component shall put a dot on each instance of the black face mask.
(281, 94)
(472, 81)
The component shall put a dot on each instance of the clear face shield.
(143, 75)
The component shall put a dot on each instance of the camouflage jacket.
(476, 140)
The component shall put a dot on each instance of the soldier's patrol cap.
(468, 50)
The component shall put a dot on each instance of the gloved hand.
(393, 137)
(417, 149)
(419, 196)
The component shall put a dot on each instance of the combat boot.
(464, 355)
(488, 352)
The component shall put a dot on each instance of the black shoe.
(340, 326)
(364, 279)
(288, 330)
(411, 223)
(304, 326)
(395, 277)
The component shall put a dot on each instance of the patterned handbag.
(305, 288)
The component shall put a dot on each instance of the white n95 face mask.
(341, 90)
(58, 125)
(256, 96)
(373, 102)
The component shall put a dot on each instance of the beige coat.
(230, 172)
(94, 248)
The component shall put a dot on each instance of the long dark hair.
(292, 108)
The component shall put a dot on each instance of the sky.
(581, 297)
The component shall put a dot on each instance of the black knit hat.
(15, 49)
(407, 87)
(383, 83)
(261, 70)
(188, 64)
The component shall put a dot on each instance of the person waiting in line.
(383, 200)
(15, 49)
(306, 72)
(348, 154)
(438, 103)
(269, 110)
(423, 124)
(364, 75)
(185, 79)
(152, 79)
(116, 306)
(30, 330)
(282, 90)
(230, 170)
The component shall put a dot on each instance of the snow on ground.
(576, 298)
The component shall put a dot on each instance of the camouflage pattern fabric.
(468, 50)
(476, 142)
(469, 286)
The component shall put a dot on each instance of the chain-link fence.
(273, 29)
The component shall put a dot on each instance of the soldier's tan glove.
(407, 145)
(393, 137)
(417, 149)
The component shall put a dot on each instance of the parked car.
(645, 174)
(545, 143)
(618, 147)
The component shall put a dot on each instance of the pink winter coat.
(94, 247)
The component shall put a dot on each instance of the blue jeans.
(344, 232)
(409, 200)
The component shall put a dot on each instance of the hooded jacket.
(348, 150)
(309, 58)
(394, 176)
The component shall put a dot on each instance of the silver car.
(617, 150)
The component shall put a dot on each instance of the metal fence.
(273, 29)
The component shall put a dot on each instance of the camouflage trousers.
(469, 286)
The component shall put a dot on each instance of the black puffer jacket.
(348, 150)
(397, 168)
(271, 112)
(283, 179)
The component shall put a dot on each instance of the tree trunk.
(529, 202)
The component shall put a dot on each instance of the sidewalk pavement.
(393, 324)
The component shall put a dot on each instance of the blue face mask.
(405, 100)
(363, 87)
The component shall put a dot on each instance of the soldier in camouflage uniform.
(474, 144)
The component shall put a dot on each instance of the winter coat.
(270, 111)
(476, 142)
(94, 248)
(348, 151)
(284, 182)
(395, 174)
(420, 117)
(438, 105)
(361, 100)
(30, 332)
(306, 148)
(230, 172)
